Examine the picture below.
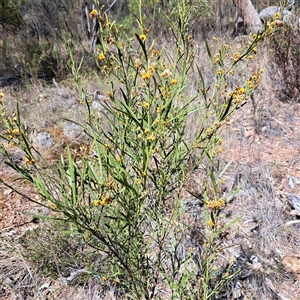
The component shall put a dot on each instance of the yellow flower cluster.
(93, 14)
(216, 58)
(103, 201)
(155, 52)
(146, 76)
(277, 22)
(29, 161)
(101, 57)
(254, 80)
(236, 57)
(216, 204)
(238, 95)
(151, 137)
(220, 72)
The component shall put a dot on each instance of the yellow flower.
(30, 161)
(276, 16)
(109, 94)
(216, 204)
(105, 201)
(11, 144)
(1, 95)
(222, 180)
(216, 60)
(143, 37)
(93, 13)
(146, 76)
(209, 131)
(254, 50)
(236, 57)
(101, 57)
(241, 90)
(147, 131)
(146, 104)
(96, 202)
(174, 81)
(210, 223)
(155, 52)
(152, 68)
(151, 137)
(15, 131)
(250, 57)
(220, 72)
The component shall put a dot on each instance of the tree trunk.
(249, 15)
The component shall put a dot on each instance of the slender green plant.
(124, 197)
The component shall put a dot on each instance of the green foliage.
(10, 13)
(124, 197)
(156, 13)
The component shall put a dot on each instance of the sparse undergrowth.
(284, 49)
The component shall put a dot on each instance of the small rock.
(294, 201)
(291, 264)
(7, 192)
(97, 105)
(42, 140)
(72, 131)
(249, 133)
